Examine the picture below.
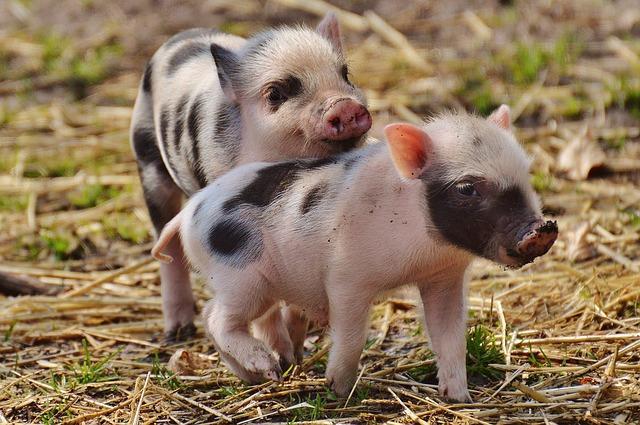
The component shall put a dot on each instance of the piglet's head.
(477, 188)
(292, 86)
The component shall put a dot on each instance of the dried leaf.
(580, 156)
(49, 365)
(183, 362)
(578, 248)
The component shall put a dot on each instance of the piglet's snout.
(345, 119)
(538, 240)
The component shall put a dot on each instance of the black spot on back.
(273, 180)
(268, 184)
(145, 145)
(186, 53)
(234, 242)
(313, 197)
(189, 34)
(313, 164)
(477, 141)
(146, 80)
(193, 126)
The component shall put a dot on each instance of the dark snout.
(535, 241)
(345, 119)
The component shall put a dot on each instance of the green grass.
(55, 414)
(361, 393)
(541, 181)
(91, 195)
(92, 67)
(565, 51)
(482, 350)
(572, 107)
(228, 391)
(242, 29)
(424, 372)
(631, 97)
(78, 69)
(58, 381)
(525, 64)
(537, 362)
(617, 144)
(60, 167)
(53, 48)
(478, 94)
(6, 114)
(633, 216)
(163, 376)
(13, 203)
(317, 401)
(127, 227)
(89, 370)
(9, 331)
(61, 244)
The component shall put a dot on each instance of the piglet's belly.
(315, 305)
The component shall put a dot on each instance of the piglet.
(330, 235)
(209, 101)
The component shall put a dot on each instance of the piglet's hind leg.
(228, 320)
(164, 201)
(297, 324)
(271, 329)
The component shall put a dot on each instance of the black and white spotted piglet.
(209, 101)
(330, 235)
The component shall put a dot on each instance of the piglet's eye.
(467, 189)
(275, 97)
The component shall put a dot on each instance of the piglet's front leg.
(347, 319)
(445, 316)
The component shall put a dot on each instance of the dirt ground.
(557, 341)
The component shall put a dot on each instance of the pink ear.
(501, 117)
(329, 28)
(410, 147)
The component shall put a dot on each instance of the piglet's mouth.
(339, 146)
(535, 243)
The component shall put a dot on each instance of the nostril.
(363, 119)
(336, 124)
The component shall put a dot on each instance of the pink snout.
(537, 241)
(345, 119)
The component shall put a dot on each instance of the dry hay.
(555, 342)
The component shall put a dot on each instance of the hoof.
(181, 333)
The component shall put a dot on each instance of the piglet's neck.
(400, 209)
(256, 146)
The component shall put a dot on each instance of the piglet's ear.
(410, 148)
(329, 28)
(501, 117)
(226, 66)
